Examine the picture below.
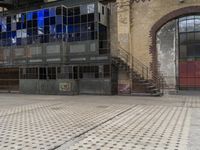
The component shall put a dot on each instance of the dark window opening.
(43, 73)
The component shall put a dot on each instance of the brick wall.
(139, 20)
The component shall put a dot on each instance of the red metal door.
(189, 74)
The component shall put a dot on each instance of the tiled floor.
(98, 123)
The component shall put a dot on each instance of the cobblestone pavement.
(36, 122)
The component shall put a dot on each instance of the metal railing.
(141, 69)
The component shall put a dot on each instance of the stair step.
(157, 94)
(151, 87)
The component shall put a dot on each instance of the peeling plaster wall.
(167, 47)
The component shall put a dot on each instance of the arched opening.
(178, 52)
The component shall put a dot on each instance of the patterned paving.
(96, 123)
(142, 128)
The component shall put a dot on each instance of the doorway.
(9, 79)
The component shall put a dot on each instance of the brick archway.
(159, 24)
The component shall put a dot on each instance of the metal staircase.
(142, 82)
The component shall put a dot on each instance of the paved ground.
(36, 122)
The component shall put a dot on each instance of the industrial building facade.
(99, 47)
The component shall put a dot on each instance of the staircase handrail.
(139, 67)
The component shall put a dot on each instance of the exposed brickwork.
(156, 27)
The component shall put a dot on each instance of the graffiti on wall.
(65, 87)
(124, 87)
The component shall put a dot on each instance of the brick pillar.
(123, 17)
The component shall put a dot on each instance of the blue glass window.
(24, 25)
(40, 23)
(90, 17)
(29, 40)
(70, 12)
(48, 24)
(41, 14)
(77, 28)
(90, 27)
(23, 17)
(52, 20)
(8, 19)
(13, 26)
(8, 27)
(4, 27)
(77, 37)
(34, 23)
(64, 11)
(77, 11)
(19, 41)
(70, 29)
(46, 13)
(52, 29)
(19, 33)
(8, 35)
(29, 32)
(64, 29)
(84, 36)
(35, 31)
(77, 19)
(59, 28)
(9, 42)
(35, 15)
(4, 35)
(46, 30)
(84, 27)
(19, 25)
(52, 12)
(14, 37)
(40, 31)
(46, 21)
(64, 20)
(59, 11)
(71, 37)
(58, 19)
(70, 20)
(29, 16)
(29, 24)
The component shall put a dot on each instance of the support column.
(123, 18)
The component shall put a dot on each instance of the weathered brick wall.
(144, 15)
(136, 20)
